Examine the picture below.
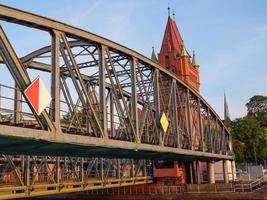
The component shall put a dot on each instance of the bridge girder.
(135, 90)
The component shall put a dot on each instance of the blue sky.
(229, 37)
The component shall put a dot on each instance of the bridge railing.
(28, 176)
(250, 186)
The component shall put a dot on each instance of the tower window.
(167, 61)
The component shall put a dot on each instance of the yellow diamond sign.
(164, 122)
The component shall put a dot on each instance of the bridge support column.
(211, 171)
(198, 180)
(225, 171)
(233, 170)
(188, 168)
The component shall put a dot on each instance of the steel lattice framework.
(108, 100)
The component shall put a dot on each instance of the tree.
(257, 107)
(248, 140)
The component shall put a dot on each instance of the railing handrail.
(250, 186)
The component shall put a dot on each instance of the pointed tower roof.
(172, 40)
(184, 52)
(226, 109)
(153, 55)
(194, 60)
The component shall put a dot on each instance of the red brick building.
(174, 56)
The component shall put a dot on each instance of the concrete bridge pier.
(211, 171)
(225, 171)
(198, 180)
(190, 172)
(233, 170)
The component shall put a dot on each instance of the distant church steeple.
(226, 109)
(153, 55)
(227, 119)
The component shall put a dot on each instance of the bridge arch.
(118, 103)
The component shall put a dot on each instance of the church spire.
(172, 40)
(226, 109)
(174, 56)
(184, 52)
(153, 55)
(194, 60)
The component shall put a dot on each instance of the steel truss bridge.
(102, 128)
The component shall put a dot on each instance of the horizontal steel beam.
(63, 144)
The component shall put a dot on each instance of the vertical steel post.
(111, 106)
(118, 174)
(22, 164)
(17, 104)
(27, 171)
(222, 140)
(55, 79)
(157, 102)
(81, 170)
(45, 168)
(144, 167)
(215, 139)
(132, 168)
(230, 144)
(102, 169)
(209, 131)
(175, 114)
(200, 126)
(134, 98)
(189, 129)
(102, 90)
(57, 176)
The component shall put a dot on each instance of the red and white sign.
(38, 95)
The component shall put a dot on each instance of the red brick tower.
(174, 56)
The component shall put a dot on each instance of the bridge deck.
(38, 142)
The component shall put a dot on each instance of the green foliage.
(257, 107)
(249, 133)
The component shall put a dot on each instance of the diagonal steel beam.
(120, 92)
(12, 165)
(175, 114)
(81, 90)
(21, 77)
